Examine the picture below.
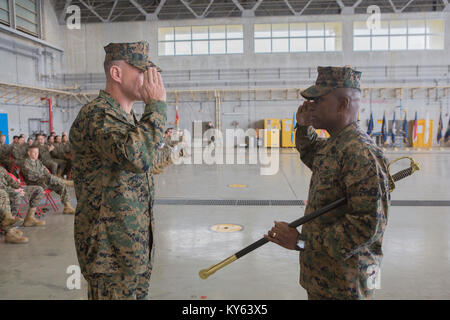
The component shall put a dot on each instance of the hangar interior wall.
(78, 67)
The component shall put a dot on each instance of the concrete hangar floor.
(190, 200)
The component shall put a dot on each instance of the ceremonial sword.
(205, 273)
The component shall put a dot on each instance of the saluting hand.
(153, 87)
(283, 235)
(303, 115)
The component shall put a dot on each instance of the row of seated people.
(54, 152)
(35, 180)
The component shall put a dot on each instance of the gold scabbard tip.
(205, 273)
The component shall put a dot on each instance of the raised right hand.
(303, 116)
(153, 87)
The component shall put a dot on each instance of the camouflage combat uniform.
(60, 154)
(36, 174)
(19, 153)
(343, 250)
(46, 158)
(9, 199)
(113, 153)
(5, 151)
(112, 158)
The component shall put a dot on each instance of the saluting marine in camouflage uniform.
(37, 175)
(113, 154)
(341, 253)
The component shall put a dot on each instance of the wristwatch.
(300, 242)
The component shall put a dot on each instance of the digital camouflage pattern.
(36, 174)
(329, 78)
(343, 247)
(46, 158)
(135, 53)
(9, 199)
(19, 153)
(118, 286)
(112, 158)
(5, 152)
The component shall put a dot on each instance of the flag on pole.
(440, 127)
(405, 130)
(293, 128)
(393, 129)
(176, 116)
(427, 128)
(370, 128)
(383, 128)
(415, 129)
(447, 133)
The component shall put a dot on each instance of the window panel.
(315, 29)
(217, 47)
(360, 28)
(382, 30)
(361, 43)
(200, 33)
(263, 45)
(297, 44)
(235, 46)
(435, 26)
(380, 43)
(280, 45)
(27, 4)
(166, 48)
(403, 35)
(4, 5)
(200, 47)
(416, 27)
(235, 32)
(398, 27)
(280, 30)
(165, 34)
(182, 48)
(435, 42)
(217, 32)
(397, 43)
(297, 30)
(416, 42)
(333, 44)
(315, 44)
(183, 33)
(26, 15)
(4, 16)
(333, 29)
(262, 30)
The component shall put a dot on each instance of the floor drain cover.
(226, 227)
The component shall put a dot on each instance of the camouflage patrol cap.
(329, 78)
(135, 53)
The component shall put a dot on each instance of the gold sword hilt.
(414, 166)
(205, 273)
